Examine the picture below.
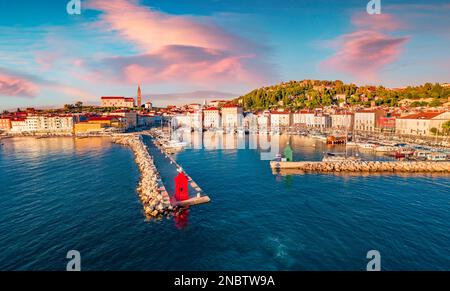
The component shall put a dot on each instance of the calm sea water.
(62, 194)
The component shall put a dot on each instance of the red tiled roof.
(280, 112)
(230, 106)
(422, 115)
(112, 97)
(211, 109)
(103, 118)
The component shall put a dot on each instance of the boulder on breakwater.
(152, 193)
(366, 166)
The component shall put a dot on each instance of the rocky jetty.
(152, 193)
(366, 166)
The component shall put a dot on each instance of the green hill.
(297, 95)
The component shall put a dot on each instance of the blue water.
(62, 194)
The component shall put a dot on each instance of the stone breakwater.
(366, 166)
(152, 193)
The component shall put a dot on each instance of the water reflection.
(304, 148)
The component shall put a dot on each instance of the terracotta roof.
(230, 106)
(280, 112)
(211, 109)
(422, 115)
(112, 97)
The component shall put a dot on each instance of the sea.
(62, 194)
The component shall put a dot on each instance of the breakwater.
(365, 166)
(152, 193)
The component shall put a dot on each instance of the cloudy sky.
(48, 57)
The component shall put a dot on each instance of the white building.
(211, 117)
(301, 117)
(421, 123)
(322, 121)
(118, 102)
(251, 121)
(342, 121)
(264, 120)
(44, 124)
(181, 120)
(196, 118)
(232, 116)
(280, 118)
(18, 125)
(367, 120)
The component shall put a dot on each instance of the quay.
(364, 166)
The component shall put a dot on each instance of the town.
(421, 124)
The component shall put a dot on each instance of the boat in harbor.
(339, 157)
(366, 146)
(385, 149)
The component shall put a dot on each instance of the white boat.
(352, 144)
(339, 157)
(366, 146)
(437, 157)
(385, 149)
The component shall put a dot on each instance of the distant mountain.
(165, 99)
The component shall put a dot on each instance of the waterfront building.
(181, 120)
(343, 121)
(301, 117)
(118, 102)
(5, 123)
(232, 116)
(144, 120)
(211, 117)
(387, 123)
(264, 120)
(148, 105)
(18, 125)
(196, 118)
(280, 119)
(100, 123)
(421, 123)
(368, 120)
(131, 117)
(250, 121)
(322, 121)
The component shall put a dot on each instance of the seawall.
(152, 193)
(365, 166)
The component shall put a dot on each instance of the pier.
(364, 166)
(171, 168)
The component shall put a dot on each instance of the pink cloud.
(366, 51)
(11, 85)
(175, 48)
(180, 64)
(151, 29)
(378, 22)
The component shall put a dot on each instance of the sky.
(201, 47)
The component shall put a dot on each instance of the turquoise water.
(62, 194)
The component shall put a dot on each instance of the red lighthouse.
(181, 187)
